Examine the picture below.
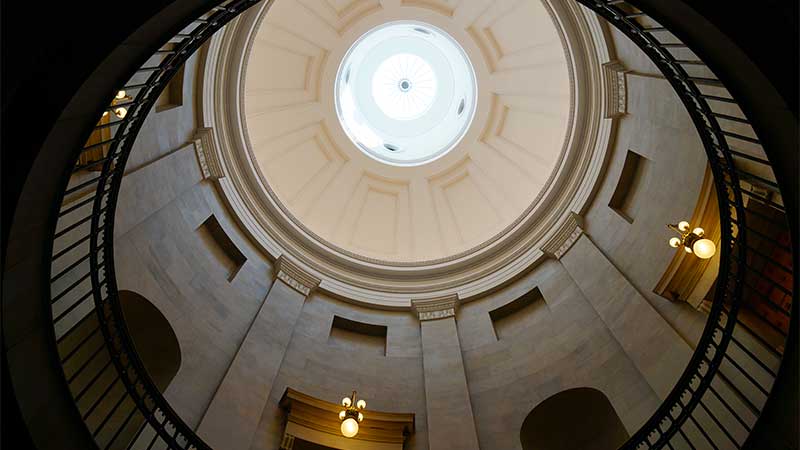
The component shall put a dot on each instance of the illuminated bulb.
(349, 427)
(687, 249)
(360, 417)
(361, 404)
(346, 402)
(120, 95)
(121, 112)
(698, 231)
(674, 242)
(683, 225)
(341, 415)
(704, 248)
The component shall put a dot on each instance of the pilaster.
(451, 423)
(231, 419)
(653, 346)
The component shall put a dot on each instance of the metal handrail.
(90, 223)
(680, 407)
(687, 416)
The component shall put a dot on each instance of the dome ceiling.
(414, 209)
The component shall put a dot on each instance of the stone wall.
(567, 341)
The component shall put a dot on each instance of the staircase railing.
(721, 393)
(119, 402)
(713, 405)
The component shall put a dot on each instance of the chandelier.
(692, 241)
(351, 415)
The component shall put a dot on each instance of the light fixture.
(351, 415)
(120, 97)
(692, 241)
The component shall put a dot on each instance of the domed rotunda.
(415, 224)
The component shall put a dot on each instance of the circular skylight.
(405, 93)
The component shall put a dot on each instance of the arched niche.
(575, 419)
(153, 336)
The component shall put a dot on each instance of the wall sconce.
(120, 112)
(351, 415)
(692, 241)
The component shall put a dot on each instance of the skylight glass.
(405, 93)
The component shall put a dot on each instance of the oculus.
(405, 93)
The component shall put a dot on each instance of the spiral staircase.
(750, 137)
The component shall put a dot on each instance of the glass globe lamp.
(693, 242)
(349, 427)
(704, 248)
(351, 415)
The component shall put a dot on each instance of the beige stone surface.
(451, 423)
(654, 347)
(329, 371)
(165, 260)
(600, 326)
(233, 416)
(561, 346)
(658, 128)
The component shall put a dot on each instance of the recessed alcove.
(221, 246)
(514, 316)
(360, 337)
(631, 181)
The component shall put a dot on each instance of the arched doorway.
(95, 383)
(575, 419)
(153, 337)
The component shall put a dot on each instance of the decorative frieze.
(617, 92)
(435, 308)
(566, 235)
(206, 154)
(291, 274)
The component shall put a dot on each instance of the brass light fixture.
(351, 415)
(121, 111)
(692, 241)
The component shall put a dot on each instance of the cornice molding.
(435, 308)
(565, 236)
(207, 154)
(391, 285)
(294, 276)
(617, 91)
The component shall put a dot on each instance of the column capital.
(565, 236)
(294, 276)
(206, 152)
(435, 308)
(617, 91)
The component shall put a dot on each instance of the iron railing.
(119, 402)
(717, 400)
(713, 405)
